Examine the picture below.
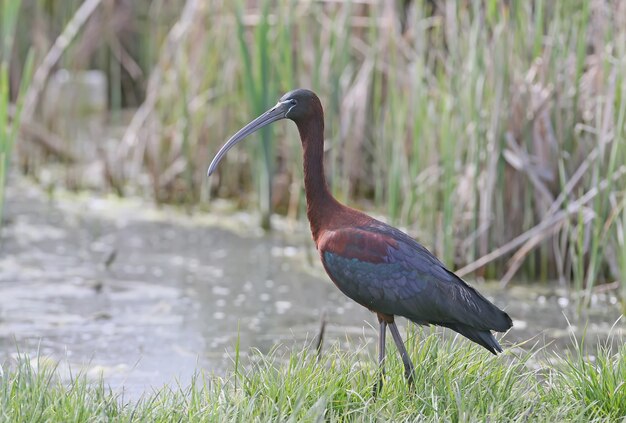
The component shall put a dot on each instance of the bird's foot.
(377, 387)
(409, 374)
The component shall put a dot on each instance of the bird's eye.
(292, 103)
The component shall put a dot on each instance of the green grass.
(455, 381)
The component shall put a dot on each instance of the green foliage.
(258, 85)
(454, 381)
(597, 382)
(32, 392)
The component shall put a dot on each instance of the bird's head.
(297, 105)
(303, 104)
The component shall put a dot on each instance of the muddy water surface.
(147, 296)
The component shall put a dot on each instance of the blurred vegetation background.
(492, 130)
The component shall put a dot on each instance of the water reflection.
(145, 296)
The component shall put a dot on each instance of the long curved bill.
(279, 111)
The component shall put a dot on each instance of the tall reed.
(482, 127)
(10, 111)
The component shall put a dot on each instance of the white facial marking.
(288, 110)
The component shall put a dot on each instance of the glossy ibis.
(375, 264)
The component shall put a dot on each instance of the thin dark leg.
(320, 336)
(381, 356)
(408, 365)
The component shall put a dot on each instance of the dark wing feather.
(387, 271)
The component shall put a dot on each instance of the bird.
(375, 264)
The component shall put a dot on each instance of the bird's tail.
(481, 337)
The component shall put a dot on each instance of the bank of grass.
(455, 381)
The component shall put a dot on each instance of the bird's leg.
(381, 355)
(409, 370)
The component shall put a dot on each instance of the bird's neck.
(320, 202)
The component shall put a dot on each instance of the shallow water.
(146, 296)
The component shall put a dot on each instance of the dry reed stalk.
(61, 43)
(49, 141)
(519, 159)
(520, 255)
(542, 227)
(131, 143)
